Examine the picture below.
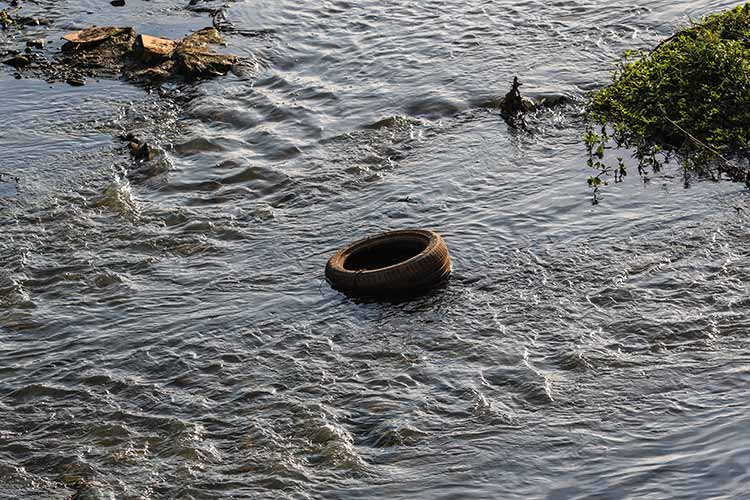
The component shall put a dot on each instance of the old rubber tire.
(394, 263)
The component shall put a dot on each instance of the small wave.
(119, 198)
(335, 445)
(390, 433)
(534, 386)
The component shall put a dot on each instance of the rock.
(153, 49)
(95, 34)
(194, 59)
(93, 491)
(18, 61)
(142, 152)
(202, 38)
(97, 51)
(75, 82)
(118, 52)
(193, 62)
(161, 72)
(33, 21)
(37, 43)
(117, 3)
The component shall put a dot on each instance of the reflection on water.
(167, 331)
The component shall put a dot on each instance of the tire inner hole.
(383, 255)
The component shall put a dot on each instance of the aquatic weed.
(6, 21)
(689, 97)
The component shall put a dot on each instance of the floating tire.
(395, 263)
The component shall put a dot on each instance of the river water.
(166, 331)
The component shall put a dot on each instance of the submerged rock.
(142, 151)
(18, 61)
(32, 21)
(37, 43)
(85, 488)
(93, 491)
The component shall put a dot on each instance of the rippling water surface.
(166, 331)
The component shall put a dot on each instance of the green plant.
(5, 20)
(689, 97)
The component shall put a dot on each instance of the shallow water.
(167, 331)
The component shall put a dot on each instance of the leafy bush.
(689, 97)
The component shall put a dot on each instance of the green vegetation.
(5, 20)
(689, 97)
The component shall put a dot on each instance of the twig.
(734, 170)
(697, 141)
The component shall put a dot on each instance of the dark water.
(166, 331)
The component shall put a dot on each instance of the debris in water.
(513, 106)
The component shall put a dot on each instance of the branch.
(699, 142)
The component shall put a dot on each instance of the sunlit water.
(166, 331)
